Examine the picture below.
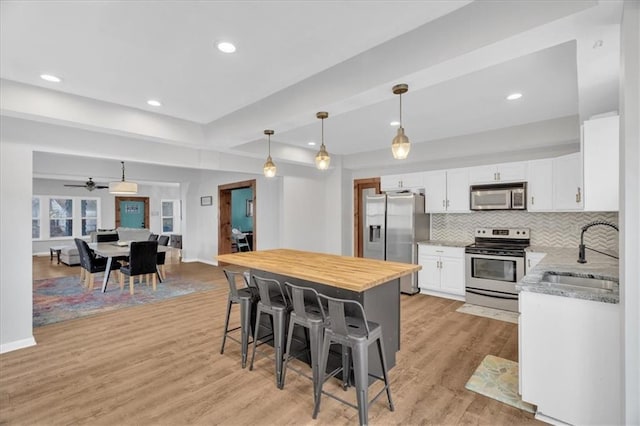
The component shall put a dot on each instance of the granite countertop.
(560, 259)
(445, 243)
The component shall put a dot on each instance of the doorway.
(132, 212)
(236, 207)
(361, 187)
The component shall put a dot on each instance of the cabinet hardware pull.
(399, 184)
(447, 203)
(578, 196)
(495, 176)
(532, 198)
(529, 262)
(498, 175)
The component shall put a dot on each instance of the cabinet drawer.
(440, 251)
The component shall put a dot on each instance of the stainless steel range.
(494, 264)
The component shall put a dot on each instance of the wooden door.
(132, 203)
(224, 214)
(359, 186)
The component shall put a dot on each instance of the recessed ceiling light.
(394, 123)
(312, 143)
(51, 78)
(154, 103)
(514, 96)
(226, 47)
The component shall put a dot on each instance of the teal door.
(132, 214)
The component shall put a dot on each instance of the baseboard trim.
(18, 344)
(443, 295)
(208, 262)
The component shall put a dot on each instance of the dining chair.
(90, 264)
(163, 240)
(241, 239)
(143, 258)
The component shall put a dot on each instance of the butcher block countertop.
(350, 273)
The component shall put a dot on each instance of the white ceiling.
(295, 58)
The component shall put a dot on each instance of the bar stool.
(306, 313)
(272, 302)
(356, 333)
(245, 298)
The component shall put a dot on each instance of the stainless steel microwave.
(509, 196)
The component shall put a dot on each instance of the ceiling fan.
(90, 185)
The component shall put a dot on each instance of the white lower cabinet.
(569, 359)
(442, 272)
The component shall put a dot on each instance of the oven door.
(491, 199)
(491, 280)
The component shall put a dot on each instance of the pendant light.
(322, 157)
(123, 187)
(400, 146)
(269, 167)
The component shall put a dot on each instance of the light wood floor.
(160, 364)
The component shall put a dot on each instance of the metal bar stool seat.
(306, 313)
(245, 298)
(274, 303)
(356, 333)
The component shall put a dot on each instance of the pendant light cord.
(322, 133)
(122, 162)
(400, 109)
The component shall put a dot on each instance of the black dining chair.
(163, 240)
(90, 264)
(143, 258)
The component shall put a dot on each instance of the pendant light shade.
(322, 157)
(269, 168)
(400, 146)
(123, 187)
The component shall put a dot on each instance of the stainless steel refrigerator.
(393, 225)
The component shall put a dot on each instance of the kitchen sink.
(572, 281)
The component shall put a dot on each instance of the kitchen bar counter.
(345, 272)
(373, 283)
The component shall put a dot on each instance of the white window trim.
(76, 217)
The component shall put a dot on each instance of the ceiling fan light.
(400, 146)
(123, 188)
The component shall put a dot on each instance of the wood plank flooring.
(161, 364)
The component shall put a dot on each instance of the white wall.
(302, 221)
(15, 247)
(630, 209)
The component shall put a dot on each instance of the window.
(89, 215)
(167, 216)
(35, 217)
(60, 217)
(68, 217)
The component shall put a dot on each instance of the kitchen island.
(373, 283)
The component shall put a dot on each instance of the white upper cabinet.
(600, 147)
(400, 182)
(435, 191)
(567, 182)
(540, 185)
(496, 173)
(458, 190)
(447, 191)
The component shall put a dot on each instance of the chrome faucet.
(582, 247)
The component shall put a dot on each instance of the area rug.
(61, 299)
(482, 311)
(497, 378)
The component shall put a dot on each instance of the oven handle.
(481, 293)
(491, 257)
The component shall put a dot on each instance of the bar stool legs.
(242, 297)
(279, 329)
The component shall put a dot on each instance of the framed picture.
(206, 201)
(249, 211)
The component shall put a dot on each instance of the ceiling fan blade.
(77, 186)
(101, 187)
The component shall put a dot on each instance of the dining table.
(113, 250)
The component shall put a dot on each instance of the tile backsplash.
(547, 229)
